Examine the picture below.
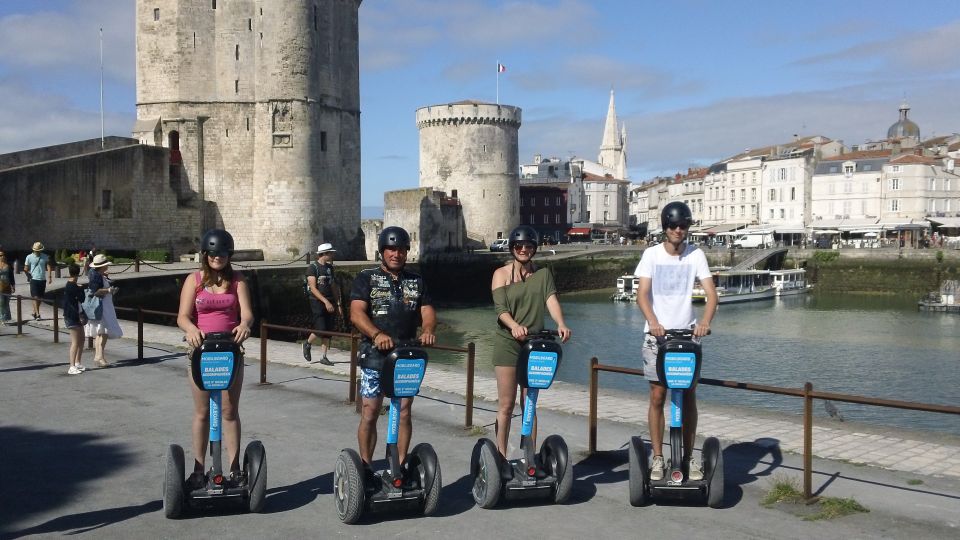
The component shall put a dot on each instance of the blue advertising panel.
(541, 369)
(216, 369)
(407, 376)
(679, 368)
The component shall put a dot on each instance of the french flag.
(501, 68)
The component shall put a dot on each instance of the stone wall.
(434, 221)
(117, 199)
(60, 151)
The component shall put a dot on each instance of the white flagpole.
(101, 89)
(498, 82)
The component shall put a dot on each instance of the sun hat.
(37, 246)
(324, 248)
(100, 261)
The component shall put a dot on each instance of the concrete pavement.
(83, 454)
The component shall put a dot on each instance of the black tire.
(555, 457)
(348, 488)
(426, 459)
(638, 471)
(713, 464)
(173, 483)
(255, 465)
(486, 474)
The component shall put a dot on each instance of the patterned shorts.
(369, 382)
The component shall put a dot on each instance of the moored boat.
(788, 282)
(626, 288)
(739, 286)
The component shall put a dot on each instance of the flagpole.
(101, 89)
(498, 82)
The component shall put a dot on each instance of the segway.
(678, 366)
(416, 484)
(214, 367)
(547, 474)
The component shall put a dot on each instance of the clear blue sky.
(695, 81)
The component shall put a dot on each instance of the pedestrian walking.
(7, 288)
(107, 326)
(324, 297)
(37, 267)
(74, 319)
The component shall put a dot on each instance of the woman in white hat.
(107, 326)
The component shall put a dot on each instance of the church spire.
(612, 151)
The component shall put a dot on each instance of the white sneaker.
(656, 468)
(694, 469)
(81, 367)
(73, 371)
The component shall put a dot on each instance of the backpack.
(315, 270)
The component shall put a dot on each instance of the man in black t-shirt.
(324, 300)
(387, 304)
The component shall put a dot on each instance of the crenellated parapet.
(468, 112)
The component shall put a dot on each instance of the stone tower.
(259, 103)
(469, 149)
(613, 148)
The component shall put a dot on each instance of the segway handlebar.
(546, 333)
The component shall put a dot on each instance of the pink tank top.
(217, 312)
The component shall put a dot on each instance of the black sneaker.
(237, 479)
(370, 478)
(196, 481)
(506, 469)
(325, 361)
(306, 351)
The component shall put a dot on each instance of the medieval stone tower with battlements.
(259, 104)
(469, 150)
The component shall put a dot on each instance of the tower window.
(249, 24)
(213, 4)
(228, 133)
(106, 199)
(156, 14)
(236, 86)
(236, 52)
(248, 123)
(323, 141)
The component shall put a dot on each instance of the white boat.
(788, 282)
(739, 286)
(627, 285)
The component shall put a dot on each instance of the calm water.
(876, 346)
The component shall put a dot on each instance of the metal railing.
(807, 393)
(265, 328)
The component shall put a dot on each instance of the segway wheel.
(713, 462)
(639, 472)
(427, 466)
(173, 483)
(348, 488)
(554, 456)
(485, 468)
(255, 466)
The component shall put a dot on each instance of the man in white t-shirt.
(667, 272)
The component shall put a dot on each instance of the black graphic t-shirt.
(323, 273)
(393, 304)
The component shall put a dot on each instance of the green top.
(526, 300)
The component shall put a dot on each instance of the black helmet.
(524, 233)
(393, 237)
(675, 213)
(217, 242)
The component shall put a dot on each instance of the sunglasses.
(683, 226)
(521, 247)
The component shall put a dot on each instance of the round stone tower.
(259, 103)
(469, 149)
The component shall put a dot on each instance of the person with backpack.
(324, 297)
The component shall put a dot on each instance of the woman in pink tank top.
(215, 299)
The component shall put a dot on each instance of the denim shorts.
(369, 383)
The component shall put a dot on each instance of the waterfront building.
(258, 103)
(613, 148)
(551, 196)
(847, 191)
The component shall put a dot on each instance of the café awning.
(579, 231)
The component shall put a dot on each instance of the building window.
(250, 24)
(546, 219)
(236, 52)
(556, 217)
(933, 184)
(753, 194)
(606, 216)
(236, 86)
(793, 194)
(521, 202)
(743, 195)
(833, 170)
(106, 199)
(849, 169)
(743, 211)
(781, 173)
(606, 200)
(946, 184)
(894, 205)
(894, 168)
(213, 4)
(533, 219)
(559, 200)
(323, 141)
(772, 195)
(733, 195)
(867, 167)
(156, 14)
(783, 213)
(248, 123)
(895, 184)
(546, 200)
(771, 213)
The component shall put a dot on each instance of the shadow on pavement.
(740, 460)
(284, 498)
(148, 360)
(40, 473)
(89, 521)
(597, 468)
(456, 498)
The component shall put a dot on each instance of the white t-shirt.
(672, 283)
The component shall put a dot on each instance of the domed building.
(904, 127)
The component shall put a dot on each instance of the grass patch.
(914, 482)
(785, 493)
(835, 507)
(478, 431)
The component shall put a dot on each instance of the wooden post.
(19, 315)
(354, 351)
(592, 423)
(471, 365)
(139, 333)
(263, 351)
(56, 322)
(807, 442)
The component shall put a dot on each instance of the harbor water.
(867, 345)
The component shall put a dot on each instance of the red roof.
(579, 230)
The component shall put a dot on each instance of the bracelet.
(374, 338)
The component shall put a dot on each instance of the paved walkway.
(930, 454)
